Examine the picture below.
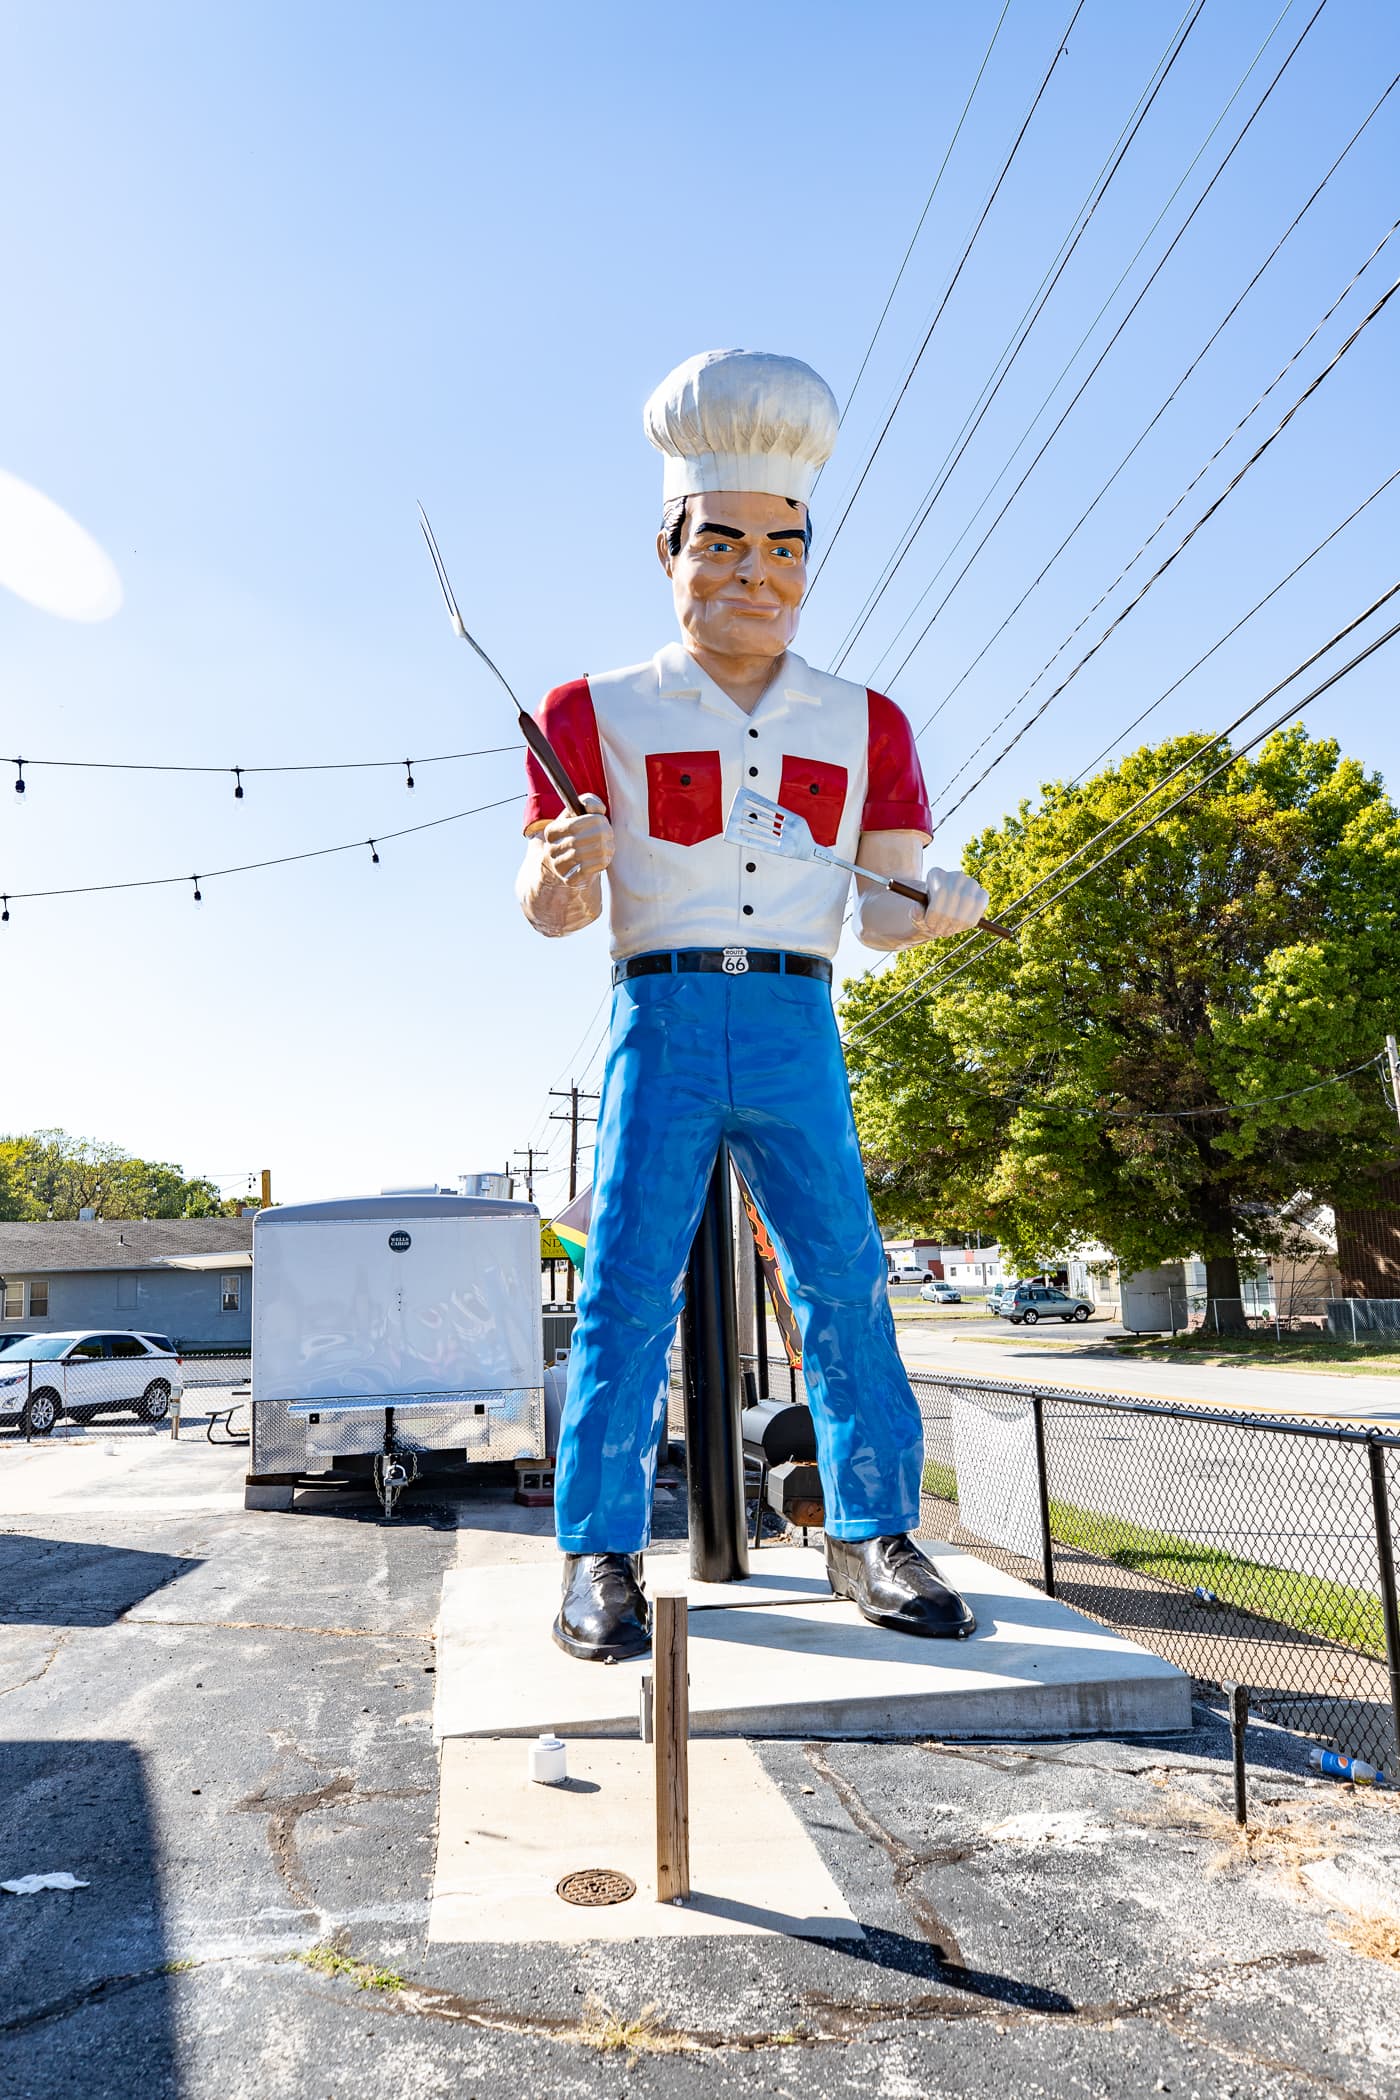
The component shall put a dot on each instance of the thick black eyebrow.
(796, 533)
(731, 532)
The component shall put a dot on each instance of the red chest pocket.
(685, 796)
(814, 790)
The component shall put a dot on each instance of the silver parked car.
(43, 1376)
(1030, 1302)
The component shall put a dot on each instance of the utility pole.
(1393, 1058)
(573, 1095)
(267, 1188)
(530, 1153)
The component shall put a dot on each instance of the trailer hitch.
(395, 1468)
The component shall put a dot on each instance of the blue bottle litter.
(1333, 1765)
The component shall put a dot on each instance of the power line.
(905, 992)
(1225, 1108)
(248, 867)
(1083, 217)
(1146, 287)
(952, 283)
(1244, 618)
(1171, 511)
(1124, 611)
(928, 206)
(1137, 443)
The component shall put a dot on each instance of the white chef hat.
(742, 420)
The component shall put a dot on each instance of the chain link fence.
(1266, 1311)
(53, 1385)
(1241, 1548)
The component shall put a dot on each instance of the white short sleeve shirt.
(667, 751)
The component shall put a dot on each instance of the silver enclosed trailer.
(385, 1327)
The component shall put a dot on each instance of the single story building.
(188, 1278)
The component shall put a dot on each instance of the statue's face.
(740, 574)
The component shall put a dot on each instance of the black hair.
(673, 524)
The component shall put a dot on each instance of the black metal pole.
(1238, 1695)
(714, 1443)
(1042, 1483)
(1390, 1609)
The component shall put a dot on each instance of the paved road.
(1082, 1357)
(220, 1720)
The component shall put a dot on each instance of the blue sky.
(271, 274)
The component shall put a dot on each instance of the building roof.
(117, 1243)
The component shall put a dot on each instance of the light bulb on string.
(373, 851)
(408, 768)
(238, 783)
(198, 893)
(19, 782)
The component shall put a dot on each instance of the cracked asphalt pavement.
(221, 1722)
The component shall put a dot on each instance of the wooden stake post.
(671, 1736)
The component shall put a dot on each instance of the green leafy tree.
(1084, 1085)
(48, 1174)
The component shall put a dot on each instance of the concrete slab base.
(505, 1843)
(783, 1657)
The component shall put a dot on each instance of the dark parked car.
(1030, 1302)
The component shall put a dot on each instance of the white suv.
(43, 1376)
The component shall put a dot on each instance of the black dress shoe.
(604, 1616)
(893, 1585)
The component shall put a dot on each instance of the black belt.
(724, 962)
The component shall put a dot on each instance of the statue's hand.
(578, 848)
(955, 903)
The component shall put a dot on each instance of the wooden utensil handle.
(549, 758)
(918, 896)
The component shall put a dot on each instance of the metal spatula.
(755, 821)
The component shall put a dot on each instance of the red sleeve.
(895, 796)
(567, 719)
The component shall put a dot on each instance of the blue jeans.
(754, 1060)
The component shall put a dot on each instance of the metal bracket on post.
(714, 1442)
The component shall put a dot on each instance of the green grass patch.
(1276, 1352)
(1332, 1611)
(940, 1481)
(362, 1974)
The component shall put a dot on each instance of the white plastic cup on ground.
(548, 1761)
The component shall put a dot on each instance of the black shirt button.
(753, 732)
(753, 772)
(750, 867)
(748, 911)
(685, 782)
(814, 789)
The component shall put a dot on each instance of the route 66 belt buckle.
(736, 962)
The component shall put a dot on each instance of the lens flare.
(47, 559)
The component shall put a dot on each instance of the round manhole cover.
(597, 1885)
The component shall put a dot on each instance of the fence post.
(1353, 1321)
(1390, 1611)
(1042, 1482)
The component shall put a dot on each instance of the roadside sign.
(552, 1248)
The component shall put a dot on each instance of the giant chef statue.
(722, 1024)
